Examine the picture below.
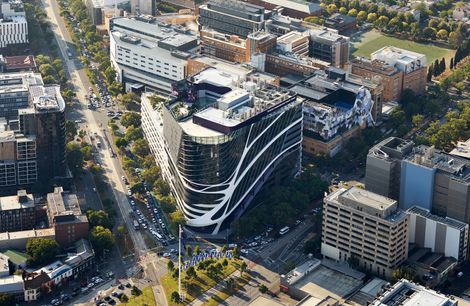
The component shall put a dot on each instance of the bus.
(136, 225)
(284, 230)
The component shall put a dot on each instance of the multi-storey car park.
(219, 140)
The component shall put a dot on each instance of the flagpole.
(179, 260)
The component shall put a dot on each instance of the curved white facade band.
(216, 166)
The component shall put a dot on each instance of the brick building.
(66, 217)
(17, 213)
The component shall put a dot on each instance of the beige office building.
(365, 228)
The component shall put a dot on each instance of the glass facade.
(215, 178)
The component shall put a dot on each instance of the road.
(94, 121)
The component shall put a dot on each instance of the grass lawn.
(195, 287)
(146, 298)
(221, 296)
(373, 41)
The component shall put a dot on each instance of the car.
(110, 274)
(128, 285)
(112, 302)
(90, 285)
(121, 287)
(98, 302)
(74, 294)
(166, 255)
(129, 193)
(115, 293)
(78, 121)
(84, 289)
(297, 222)
(54, 301)
(108, 298)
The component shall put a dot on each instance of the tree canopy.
(41, 250)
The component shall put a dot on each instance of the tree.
(382, 22)
(46, 69)
(417, 120)
(177, 218)
(429, 33)
(123, 298)
(110, 74)
(242, 267)
(343, 10)
(442, 34)
(230, 284)
(138, 188)
(352, 12)
(451, 63)
(175, 297)
(49, 79)
(135, 291)
(170, 265)
(102, 239)
(41, 250)
(131, 118)
(133, 133)
(98, 218)
(225, 262)
(263, 289)
(74, 157)
(397, 117)
(454, 38)
(371, 17)
(236, 252)
(151, 175)
(141, 148)
(430, 72)
(130, 99)
(70, 130)
(162, 187)
(361, 16)
(436, 67)
(331, 8)
(121, 142)
(191, 272)
(189, 251)
(442, 65)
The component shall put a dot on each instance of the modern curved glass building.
(218, 142)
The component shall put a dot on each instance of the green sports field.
(372, 41)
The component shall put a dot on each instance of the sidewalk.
(206, 296)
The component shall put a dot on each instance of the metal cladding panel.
(172, 132)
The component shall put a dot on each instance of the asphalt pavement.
(94, 121)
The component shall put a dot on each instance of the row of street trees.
(391, 21)
(94, 42)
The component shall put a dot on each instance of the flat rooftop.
(331, 282)
(60, 203)
(462, 149)
(367, 198)
(44, 99)
(34, 233)
(13, 202)
(327, 34)
(398, 54)
(428, 215)
(152, 29)
(456, 167)
(301, 6)
(406, 293)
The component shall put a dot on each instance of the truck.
(136, 225)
